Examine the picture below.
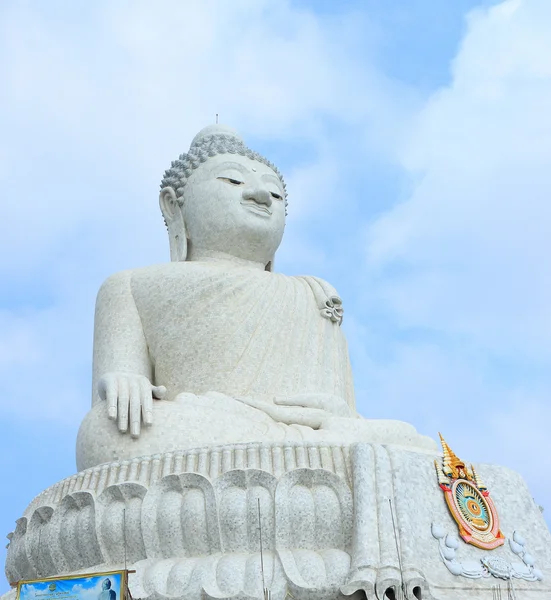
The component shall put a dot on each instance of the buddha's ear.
(174, 219)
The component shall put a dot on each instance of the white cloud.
(461, 268)
(44, 359)
(18, 344)
(116, 97)
(86, 592)
(471, 242)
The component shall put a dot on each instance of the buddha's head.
(222, 198)
(106, 584)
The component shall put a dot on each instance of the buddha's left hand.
(310, 410)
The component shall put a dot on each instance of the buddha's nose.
(258, 195)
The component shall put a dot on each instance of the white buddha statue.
(223, 403)
(214, 347)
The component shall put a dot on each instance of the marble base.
(333, 517)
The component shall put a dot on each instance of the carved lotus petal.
(522, 571)
(518, 538)
(437, 531)
(473, 568)
(528, 560)
(448, 553)
(452, 541)
(516, 548)
(455, 568)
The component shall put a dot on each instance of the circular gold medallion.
(472, 505)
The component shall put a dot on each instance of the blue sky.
(415, 138)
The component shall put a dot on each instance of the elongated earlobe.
(174, 220)
(178, 248)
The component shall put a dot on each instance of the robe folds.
(212, 333)
(241, 332)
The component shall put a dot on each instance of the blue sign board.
(96, 586)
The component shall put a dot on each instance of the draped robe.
(241, 332)
(211, 333)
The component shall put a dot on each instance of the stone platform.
(333, 518)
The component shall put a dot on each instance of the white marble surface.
(192, 524)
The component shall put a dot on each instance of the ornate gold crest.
(469, 501)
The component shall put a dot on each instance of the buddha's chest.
(195, 312)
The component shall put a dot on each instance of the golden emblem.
(469, 501)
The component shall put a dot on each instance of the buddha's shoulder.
(145, 276)
(167, 275)
(318, 285)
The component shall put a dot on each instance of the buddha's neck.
(214, 256)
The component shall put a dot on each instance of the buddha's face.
(234, 205)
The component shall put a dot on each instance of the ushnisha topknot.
(210, 141)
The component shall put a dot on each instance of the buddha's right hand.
(129, 397)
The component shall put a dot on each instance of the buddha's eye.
(231, 180)
(276, 196)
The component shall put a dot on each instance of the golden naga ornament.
(469, 501)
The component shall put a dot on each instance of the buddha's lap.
(192, 421)
(188, 421)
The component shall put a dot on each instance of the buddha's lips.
(256, 207)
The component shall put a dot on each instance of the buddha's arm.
(122, 370)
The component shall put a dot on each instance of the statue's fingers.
(278, 413)
(254, 403)
(124, 401)
(135, 396)
(159, 391)
(305, 400)
(290, 415)
(102, 389)
(284, 401)
(110, 396)
(271, 410)
(147, 402)
(309, 417)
